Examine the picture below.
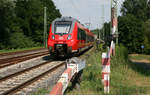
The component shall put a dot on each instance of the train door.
(79, 38)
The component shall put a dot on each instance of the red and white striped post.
(57, 90)
(112, 49)
(105, 71)
(106, 83)
(114, 25)
(74, 65)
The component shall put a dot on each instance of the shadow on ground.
(140, 67)
(51, 58)
(60, 58)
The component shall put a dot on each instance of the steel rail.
(22, 71)
(30, 81)
(11, 61)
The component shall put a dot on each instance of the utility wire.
(74, 6)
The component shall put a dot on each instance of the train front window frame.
(62, 27)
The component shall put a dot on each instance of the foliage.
(146, 26)
(6, 16)
(96, 31)
(18, 50)
(134, 25)
(99, 33)
(41, 91)
(130, 29)
(19, 40)
(121, 76)
(107, 35)
(139, 8)
(52, 12)
(26, 17)
(30, 15)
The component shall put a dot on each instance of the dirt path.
(141, 61)
(142, 75)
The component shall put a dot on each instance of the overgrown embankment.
(18, 50)
(126, 78)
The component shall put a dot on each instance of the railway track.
(25, 79)
(14, 58)
(5, 55)
(14, 83)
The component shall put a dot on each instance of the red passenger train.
(68, 36)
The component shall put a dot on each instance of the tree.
(19, 40)
(131, 33)
(107, 36)
(52, 12)
(138, 8)
(25, 17)
(30, 17)
(6, 21)
(146, 30)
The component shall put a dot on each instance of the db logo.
(60, 38)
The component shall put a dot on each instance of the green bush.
(2, 46)
(19, 40)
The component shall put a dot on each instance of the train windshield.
(62, 27)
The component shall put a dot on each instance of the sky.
(87, 11)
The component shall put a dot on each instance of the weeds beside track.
(126, 78)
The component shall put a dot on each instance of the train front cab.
(60, 42)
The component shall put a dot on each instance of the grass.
(126, 78)
(17, 50)
(139, 57)
(41, 92)
(91, 83)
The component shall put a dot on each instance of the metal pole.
(117, 26)
(45, 27)
(111, 19)
(99, 31)
(103, 22)
(114, 21)
(89, 23)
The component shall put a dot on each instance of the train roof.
(73, 21)
(66, 19)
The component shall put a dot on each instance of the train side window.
(79, 34)
(87, 38)
(84, 35)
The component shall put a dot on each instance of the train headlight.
(53, 37)
(69, 37)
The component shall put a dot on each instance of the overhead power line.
(74, 6)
